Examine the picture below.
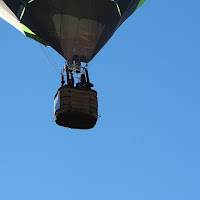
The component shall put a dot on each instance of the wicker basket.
(76, 108)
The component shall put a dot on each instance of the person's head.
(71, 82)
(83, 79)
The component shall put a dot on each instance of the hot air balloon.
(77, 30)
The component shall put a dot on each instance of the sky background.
(145, 146)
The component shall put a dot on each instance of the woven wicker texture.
(78, 108)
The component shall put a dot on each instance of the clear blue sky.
(145, 146)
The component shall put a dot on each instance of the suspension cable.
(54, 65)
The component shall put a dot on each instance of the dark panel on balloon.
(13, 5)
(125, 5)
(130, 10)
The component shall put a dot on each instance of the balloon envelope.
(76, 29)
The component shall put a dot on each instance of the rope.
(47, 49)
(54, 65)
